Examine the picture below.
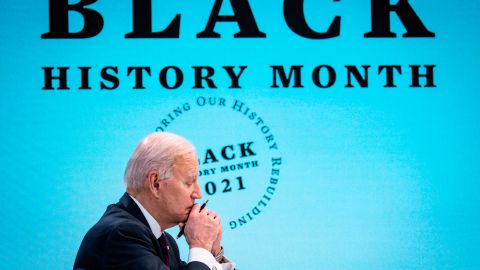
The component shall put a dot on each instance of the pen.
(182, 230)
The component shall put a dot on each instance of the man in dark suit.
(161, 180)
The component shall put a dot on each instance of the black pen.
(182, 230)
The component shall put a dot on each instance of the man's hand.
(202, 228)
(217, 244)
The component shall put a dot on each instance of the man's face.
(180, 191)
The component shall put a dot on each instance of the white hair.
(157, 152)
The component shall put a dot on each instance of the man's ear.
(153, 183)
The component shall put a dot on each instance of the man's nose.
(197, 194)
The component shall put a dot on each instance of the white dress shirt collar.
(154, 226)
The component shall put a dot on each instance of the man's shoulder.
(116, 218)
(115, 222)
(116, 230)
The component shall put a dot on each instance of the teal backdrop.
(370, 178)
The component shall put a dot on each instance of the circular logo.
(238, 155)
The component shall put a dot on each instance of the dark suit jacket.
(122, 239)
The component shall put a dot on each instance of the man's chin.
(185, 216)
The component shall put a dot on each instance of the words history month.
(293, 75)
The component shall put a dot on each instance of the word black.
(228, 152)
(293, 12)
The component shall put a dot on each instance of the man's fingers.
(207, 213)
(196, 208)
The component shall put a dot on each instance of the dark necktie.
(163, 244)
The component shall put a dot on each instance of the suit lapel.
(173, 253)
(127, 203)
